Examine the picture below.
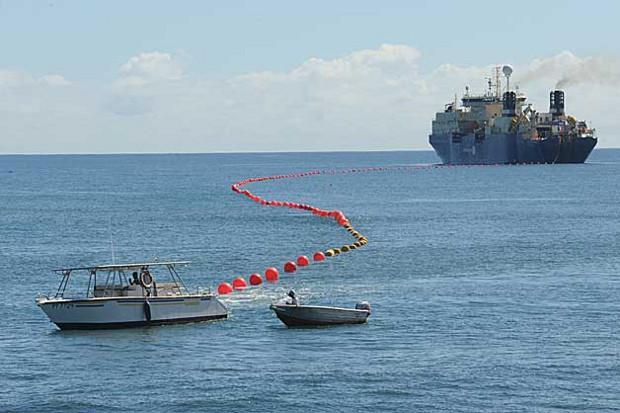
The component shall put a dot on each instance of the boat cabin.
(154, 279)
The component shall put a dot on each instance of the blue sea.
(494, 289)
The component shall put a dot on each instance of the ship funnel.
(556, 103)
(510, 104)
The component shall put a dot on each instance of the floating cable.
(272, 274)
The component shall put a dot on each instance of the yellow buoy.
(329, 253)
(345, 248)
(352, 247)
(336, 251)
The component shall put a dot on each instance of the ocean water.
(493, 289)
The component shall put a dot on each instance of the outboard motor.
(556, 103)
(362, 305)
(510, 104)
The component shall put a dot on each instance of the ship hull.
(507, 148)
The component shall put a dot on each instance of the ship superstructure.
(497, 127)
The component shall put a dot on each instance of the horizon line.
(226, 152)
(208, 153)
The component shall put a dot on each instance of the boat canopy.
(121, 267)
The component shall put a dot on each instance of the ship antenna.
(507, 70)
(498, 82)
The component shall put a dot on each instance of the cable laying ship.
(496, 128)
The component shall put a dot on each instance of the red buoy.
(256, 279)
(272, 274)
(239, 284)
(290, 267)
(303, 261)
(224, 288)
(318, 256)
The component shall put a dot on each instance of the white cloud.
(13, 78)
(389, 61)
(53, 80)
(569, 69)
(150, 66)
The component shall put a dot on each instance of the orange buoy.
(256, 279)
(272, 274)
(318, 256)
(224, 288)
(239, 284)
(303, 261)
(290, 267)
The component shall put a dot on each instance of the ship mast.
(498, 81)
(495, 83)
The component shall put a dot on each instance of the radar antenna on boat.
(507, 70)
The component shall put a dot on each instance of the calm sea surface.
(493, 289)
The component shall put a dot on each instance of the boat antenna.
(111, 239)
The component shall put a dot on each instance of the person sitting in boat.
(293, 298)
(135, 280)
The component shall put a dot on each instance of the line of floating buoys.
(272, 274)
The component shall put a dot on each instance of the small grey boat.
(293, 314)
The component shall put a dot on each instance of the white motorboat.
(128, 295)
(293, 314)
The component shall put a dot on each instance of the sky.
(227, 76)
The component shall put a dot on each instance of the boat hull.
(299, 316)
(116, 312)
(504, 148)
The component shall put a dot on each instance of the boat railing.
(203, 290)
(80, 294)
(67, 295)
